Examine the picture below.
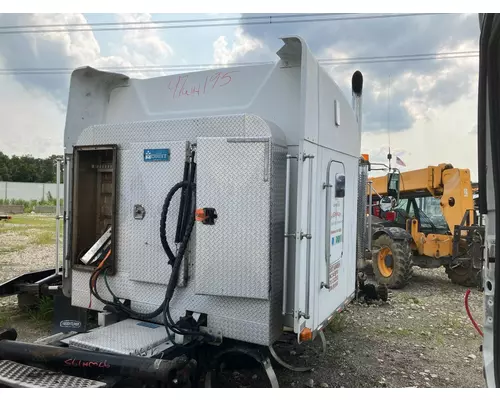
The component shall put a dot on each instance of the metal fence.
(29, 191)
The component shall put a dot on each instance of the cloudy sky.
(428, 106)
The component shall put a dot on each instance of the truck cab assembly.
(205, 213)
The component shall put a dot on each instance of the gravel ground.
(19, 254)
(420, 338)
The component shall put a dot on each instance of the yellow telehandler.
(426, 218)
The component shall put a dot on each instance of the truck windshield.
(431, 215)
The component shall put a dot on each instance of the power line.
(268, 21)
(448, 53)
(405, 60)
(159, 68)
(124, 23)
(188, 68)
(323, 61)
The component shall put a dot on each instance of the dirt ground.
(420, 338)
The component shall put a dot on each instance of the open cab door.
(489, 187)
(393, 184)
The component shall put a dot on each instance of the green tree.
(26, 168)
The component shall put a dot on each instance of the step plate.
(128, 337)
(17, 375)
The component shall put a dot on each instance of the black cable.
(163, 220)
(176, 262)
(116, 303)
(188, 194)
(179, 232)
(174, 276)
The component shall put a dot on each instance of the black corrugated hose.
(175, 260)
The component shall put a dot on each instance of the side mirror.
(340, 186)
(393, 185)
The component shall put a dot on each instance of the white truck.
(488, 136)
(213, 210)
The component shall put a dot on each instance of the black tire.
(383, 293)
(464, 275)
(402, 268)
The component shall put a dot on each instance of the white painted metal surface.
(296, 107)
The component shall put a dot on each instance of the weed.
(338, 323)
(44, 238)
(44, 311)
(440, 339)
(451, 321)
(406, 298)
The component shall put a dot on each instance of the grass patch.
(452, 322)
(38, 230)
(338, 323)
(44, 238)
(28, 219)
(44, 312)
(40, 314)
(406, 298)
(6, 317)
(5, 228)
(12, 249)
(439, 339)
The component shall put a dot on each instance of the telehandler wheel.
(464, 275)
(392, 262)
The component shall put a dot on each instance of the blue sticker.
(156, 154)
(336, 239)
(148, 325)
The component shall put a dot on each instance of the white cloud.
(44, 96)
(143, 47)
(242, 44)
(444, 138)
(434, 103)
(32, 121)
(75, 48)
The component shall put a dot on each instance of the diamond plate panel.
(233, 254)
(129, 337)
(242, 125)
(13, 374)
(148, 183)
(248, 319)
(277, 237)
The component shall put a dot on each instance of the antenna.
(389, 155)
